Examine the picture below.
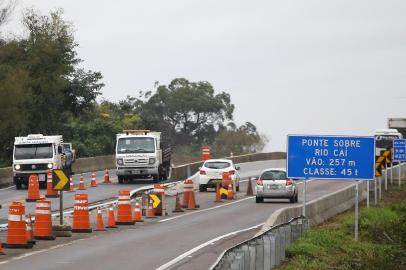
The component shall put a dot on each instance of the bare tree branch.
(6, 8)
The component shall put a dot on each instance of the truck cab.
(139, 155)
(36, 154)
(384, 139)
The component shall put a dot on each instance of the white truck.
(384, 139)
(36, 154)
(140, 155)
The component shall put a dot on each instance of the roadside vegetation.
(44, 89)
(382, 243)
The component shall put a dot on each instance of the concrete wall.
(321, 209)
(108, 162)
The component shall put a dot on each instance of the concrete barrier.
(319, 210)
(178, 173)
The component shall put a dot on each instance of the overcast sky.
(303, 67)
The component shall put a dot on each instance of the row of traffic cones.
(33, 185)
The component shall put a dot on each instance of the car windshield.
(33, 151)
(136, 145)
(217, 164)
(274, 175)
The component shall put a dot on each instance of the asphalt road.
(154, 243)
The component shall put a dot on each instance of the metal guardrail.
(265, 251)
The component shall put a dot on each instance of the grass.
(381, 245)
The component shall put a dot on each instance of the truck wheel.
(18, 185)
(259, 200)
(202, 188)
(120, 179)
(237, 188)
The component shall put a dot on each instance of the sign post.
(399, 154)
(331, 157)
(61, 182)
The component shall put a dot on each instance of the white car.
(274, 184)
(212, 171)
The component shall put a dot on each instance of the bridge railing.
(264, 251)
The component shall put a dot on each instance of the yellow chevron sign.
(388, 155)
(156, 200)
(223, 191)
(60, 180)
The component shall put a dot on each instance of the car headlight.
(151, 161)
(50, 165)
(120, 161)
(17, 166)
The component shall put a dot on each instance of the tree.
(6, 8)
(242, 140)
(189, 112)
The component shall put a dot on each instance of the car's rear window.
(217, 165)
(273, 175)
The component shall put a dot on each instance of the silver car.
(273, 183)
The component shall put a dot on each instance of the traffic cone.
(81, 218)
(230, 192)
(137, 213)
(29, 234)
(124, 213)
(43, 221)
(51, 193)
(250, 192)
(218, 195)
(71, 186)
(100, 224)
(187, 188)
(1, 249)
(93, 182)
(81, 183)
(17, 230)
(33, 189)
(111, 220)
(178, 207)
(106, 177)
(150, 210)
(192, 202)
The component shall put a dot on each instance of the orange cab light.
(259, 182)
(289, 182)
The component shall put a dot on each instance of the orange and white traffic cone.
(218, 194)
(81, 183)
(111, 220)
(124, 213)
(71, 186)
(137, 213)
(106, 177)
(81, 217)
(43, 221)
(93, 182)
(33, 189)
(51, 193)
(150, 210)
(192, 202)
(29, 233)
(187, 189)
(17, 230)
(230, 192)
(100, 224)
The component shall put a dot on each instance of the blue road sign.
(331, 157)
(399, 150)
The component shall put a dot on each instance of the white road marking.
(204, 210)
(210, 242)
(10, 187)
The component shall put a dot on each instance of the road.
(155, 243)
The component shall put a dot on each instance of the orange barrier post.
(150, 210)
(33, 189)
(178, 207)
(230, 192)
(81, 218)
(124, 213)
(205, 152)
(106, 177)
(30, 233)
(192, 201)
(187, 188)
(81, 183)
(71, 186)
(51, 193)
(17, 230)
(218, 195)
(111, 220)
(100, 224)
(1, 249)
(159, 191)
(43, 221)
(137, 213)
(93, 182)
